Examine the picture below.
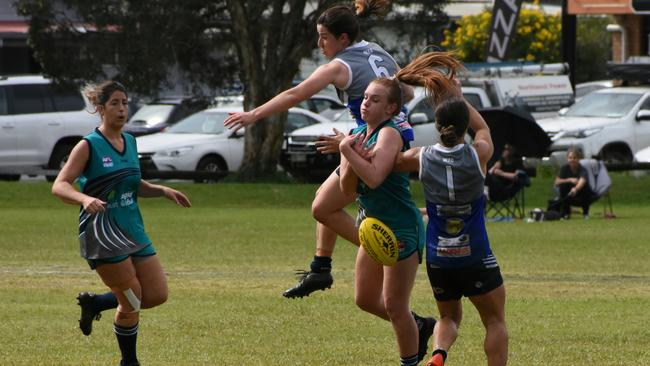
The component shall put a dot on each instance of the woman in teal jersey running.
(111, 231)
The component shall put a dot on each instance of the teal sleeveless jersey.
(392, 202)
(114, 177)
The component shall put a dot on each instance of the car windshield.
(610, 105)
(201, 122)
(151, 114)
(343, 116)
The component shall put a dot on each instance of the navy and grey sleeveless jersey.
(114, 177)
(365, 62)
(453, 190)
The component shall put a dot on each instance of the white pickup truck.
(611, 124)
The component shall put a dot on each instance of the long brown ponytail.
(435, 71)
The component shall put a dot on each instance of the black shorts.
(454, 283)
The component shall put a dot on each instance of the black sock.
(104, 302)
(321, 264)
(409, 361)
(126, 339)
(442, 352)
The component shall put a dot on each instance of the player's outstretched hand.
(329, 144)
(238, 120)
(178, 197)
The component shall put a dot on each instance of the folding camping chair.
(599, 182)
(512, 207)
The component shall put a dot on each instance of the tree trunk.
(272, 43)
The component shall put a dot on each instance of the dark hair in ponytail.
(452, 119)
(341, 19)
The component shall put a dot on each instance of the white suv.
(611, 124)
(39, 124)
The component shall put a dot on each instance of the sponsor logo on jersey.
(454, 226)
(110, 199)
(454, 247)
(464, 251)
(107, 161)
(126, 199)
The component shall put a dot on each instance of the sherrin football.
(379, 241)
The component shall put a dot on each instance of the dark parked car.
(325, 105)
(156, 116)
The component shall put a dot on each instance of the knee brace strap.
(133, 300)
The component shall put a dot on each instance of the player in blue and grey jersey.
(353, 64)
(459, 258)
(356, 59)
(111, 232)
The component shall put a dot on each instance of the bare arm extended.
(331, 73)
(155, 190)
(408, 161)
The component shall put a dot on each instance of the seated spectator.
(507, 176)
(572, 185)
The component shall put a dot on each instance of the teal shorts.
(147, 251)
(410, 241)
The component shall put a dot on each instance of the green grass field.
(578, 291)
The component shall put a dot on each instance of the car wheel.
(616, 156)
(211, 164)
(58, 159)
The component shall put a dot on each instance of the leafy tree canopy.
(206, 43)
(137, 42)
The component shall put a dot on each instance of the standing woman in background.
(111, 231)
(353, 65)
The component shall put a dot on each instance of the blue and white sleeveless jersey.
(114, 177)
(453, 189)
(365, 62)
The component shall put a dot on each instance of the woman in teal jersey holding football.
(368, 155)
(111, 231)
